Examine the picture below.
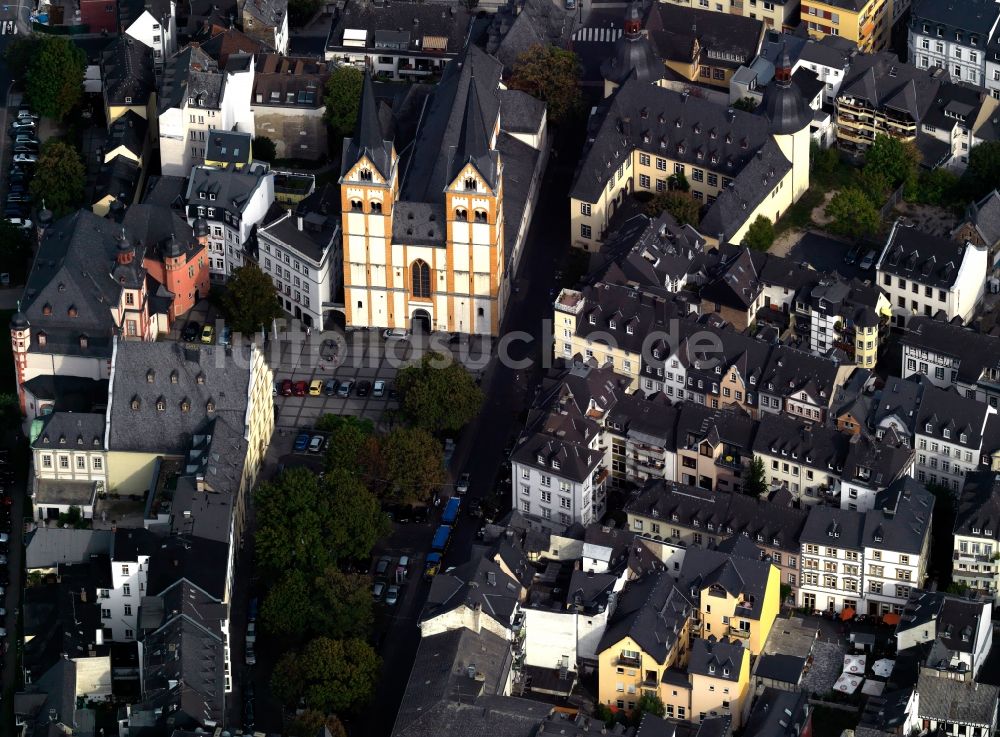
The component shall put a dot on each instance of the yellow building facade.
(866, 22)
(774, 14)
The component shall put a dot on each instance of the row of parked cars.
(389, 580)
(194, 332)
(24, 143)
(334, 387)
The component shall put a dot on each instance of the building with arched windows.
(433, 223)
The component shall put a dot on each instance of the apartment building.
(952, 36)
(713, 447)
(951, 437)
(867, 561)
(719, 677)
(849, 316)
(977, 534)
(806, 460)
(952, 356)
(799, 384)
(739, 164)
(774, 13)
(733, 291)
(928, 275)
(70, 464)
(196, 96)
(882, 95)
(830, 58)
(960, 118)
(695, 517)
(872, 464)
(993, 65)
(865, 22)
(722, 367)
(230, 202)
(288, 105)
(301, 252)
(130, 554)
(959, 628)
(642, 436)
(266, 21)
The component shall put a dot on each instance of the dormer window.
(927, 427)
(46, 309)
(161, 405)
(725, 672)
(84, 341)
(72, 311)
(173, 376)
(629, 329)
(711, 669)
(471, 184)
(947, 433)
(185, 405)
(541, 459)
(612, 324)
(593, 319)
(210, 406)
(150, 376)
(963, 438)
(136, 404)
(200, 378)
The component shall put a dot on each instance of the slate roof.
(129, 131)
(191, 73)
(830, 51)
(650, 253)
(790, 370)
(575, 460)
(228, 147)
(520, 112)
(974, 351)
(957, 702)
(516, 27)
(439, 140)
(633, 56)
(71, 430)
(48, 547)
(731, 426)
(979, 506)
(127, 72)
(270, 13)
(899, 398)
(778, 713)
(853, 300)
(727, 40)
(162, 230)
(228, 42)
(652, 611)
(973, 17)
(945, 410)
(876, 462)
(881, 80)
(481, 583)
(663, 120)
(281, 81)
(817, 446)
(519, 165)
(119, 178)
(985, 216)
(406, 25)
(145, 372)
(131, 543)
(829, 526)
(319, 230)
(917, 256)
(634, 315)
(735, 566)
(722, 659)
(202, 562)
(734, 281)
(778, 667)
(901, 519)
(232, 187)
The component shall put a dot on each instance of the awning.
(883, 668)
(848, 683)
(854, 664)
(847, 613)
(891, 619)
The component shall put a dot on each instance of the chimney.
(298, 220)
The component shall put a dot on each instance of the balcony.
(972, 557)
(736, 632)
(629, 661)
(730, 460)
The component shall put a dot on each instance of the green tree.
(249, 300)
(19, 54)
(982, 175)
(648, 703)
(823, 161)
(438, 394)
(875, 185)
(330, 675)
(54, 76)
(264, 149)
(679, 182)
(413, 465)
(550, 74)
(936, 187)
(760, 234)
(301, 606)
(852, 214)
(747, 104)
(342, 97)
(756, 483)
(356, 521)
(15, 251)
(311, 721)
(895, 159)
(59, 178)
(351, 445)
(681, 205)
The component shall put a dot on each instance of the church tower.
(475, 236)
(633, 55)
(789, 118)
(20, 342)
(369, 188)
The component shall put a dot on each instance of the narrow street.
(11, 601)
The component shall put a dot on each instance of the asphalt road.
(9, 680)
(480, 448)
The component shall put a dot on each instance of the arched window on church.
(356, 206)
(481, 216)
(470, 183)
(365, 175)
(376, 207)
(461, 214)
(420, 278)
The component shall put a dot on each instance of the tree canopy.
(264, 149)
(351, 445)
(982, 175)
(300, 11)
(412, 465)
(756, 483)
(681, 205)
(852, 214)
(331, 675)
(59, 178)
(302, 605)
(54, 71)
(250, 302)
(310, 525)
(896, 160)
(438, 394)
(342, 97)
(760, 234)
(551, 74)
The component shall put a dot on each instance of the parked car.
(20, 222)
(396, 334)
(286, 388)
(226, 336)
(22, 124)
(402, 568)
(383, 565)
(852, 255)
(392, 595)
(378, 590)
(25, 158)
(26, 114)
(378, 388)
(26, 137)
(27, 149)
(868, 261)
(344, 390)
(462, 487)
(299, 388)
(330, 387)
(190, 331)
(207, 334)
(18, 197)
(315, 387)
(364, 388)
(316, 444)
(404, 514)
(301, 442)
(17, 176)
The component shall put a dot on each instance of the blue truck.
(450, 513)
(441, 537)
(432, 565)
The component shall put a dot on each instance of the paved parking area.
(824, 253)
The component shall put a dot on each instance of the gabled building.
(267, 22)
(981, 225)
(197, 96)
(799, 384)
(431, 238)
(779, 713)
(733, 291)
(867, 23)
(962, 117)
(153, 23)
(739, 165)
(727, 374)
(713, 446)
(288, 105)
(774, 15)
(129, 83)
(955, 632)
(946, 703)
(977, 533)
(871, 465)
(70, 464)
(226, 205)
(952, 37)
(806, 460)
(950, 356)
(950, 437)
